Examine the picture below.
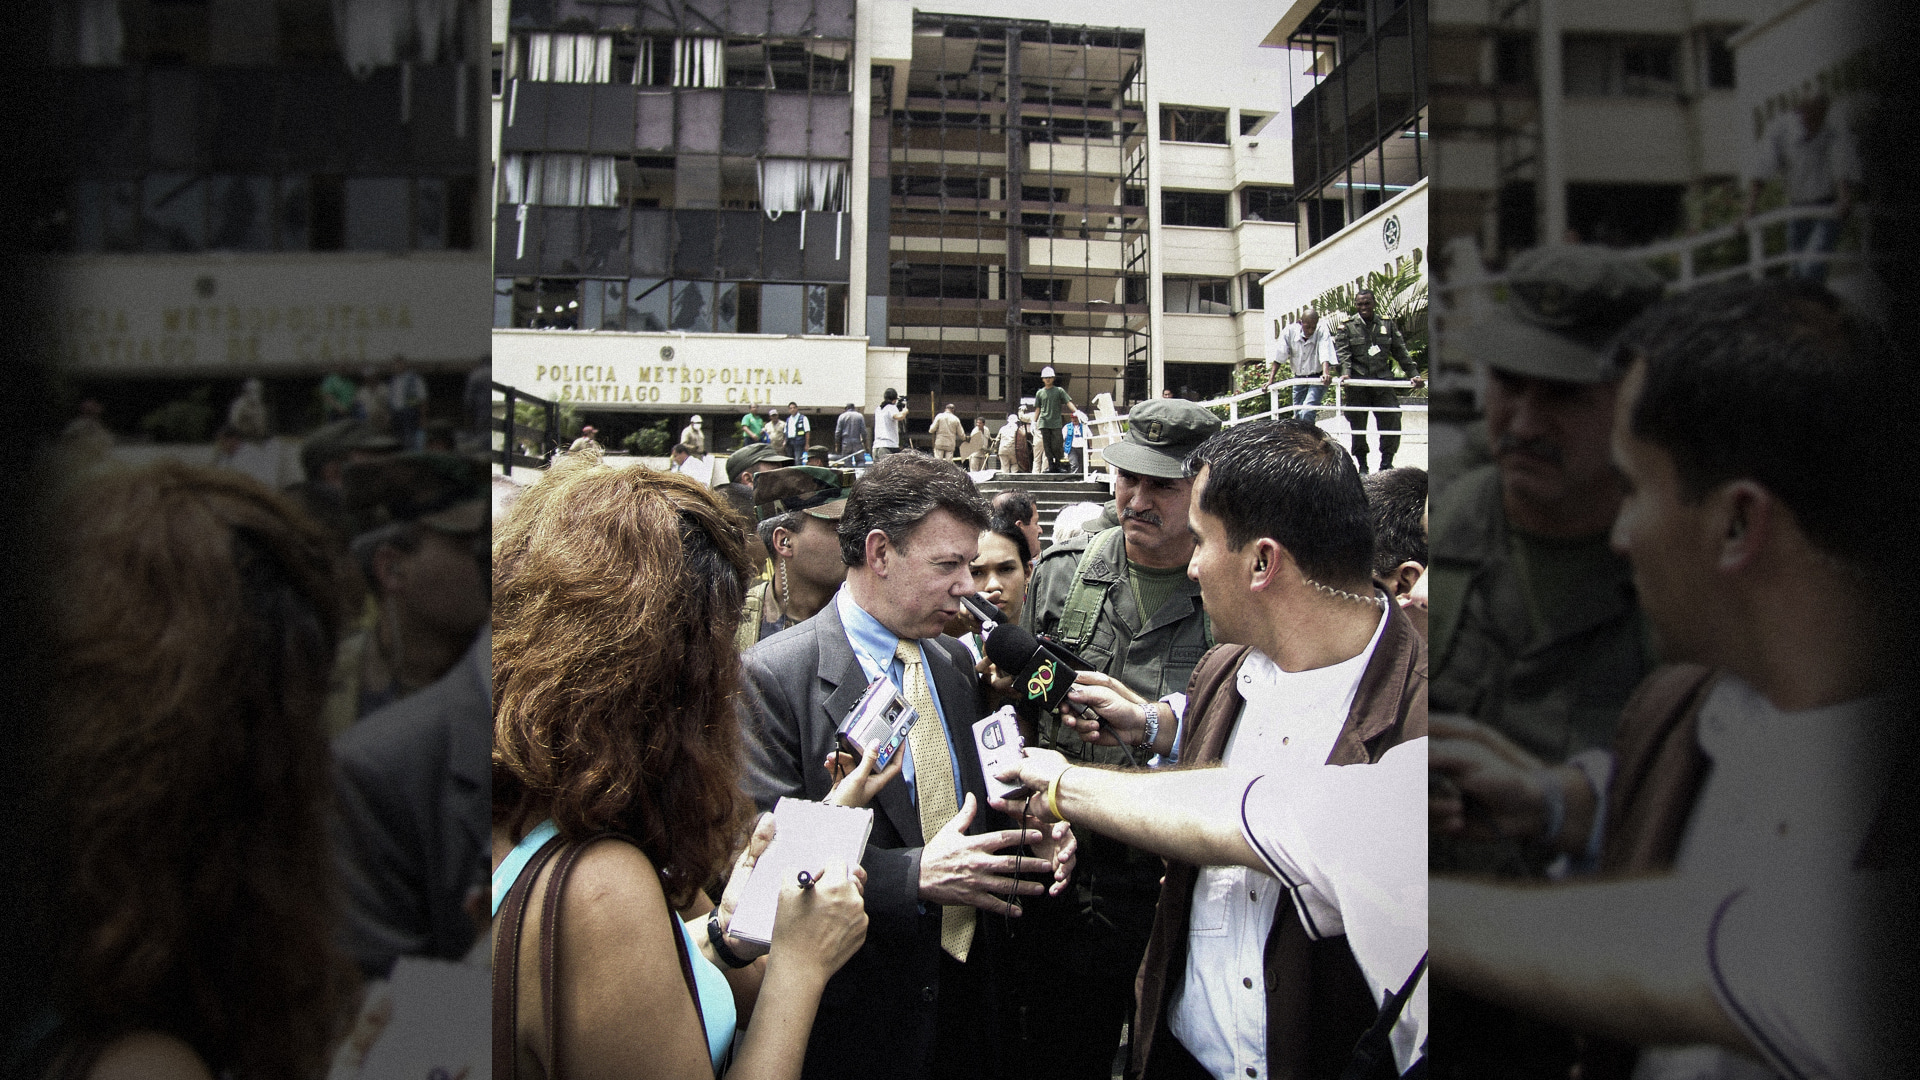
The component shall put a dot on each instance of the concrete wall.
(1197, 339)
(1202, 252)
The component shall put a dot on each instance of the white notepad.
(807, 836)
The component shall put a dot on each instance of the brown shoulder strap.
(549, 934)
(506, 964)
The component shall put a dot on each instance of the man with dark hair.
(1018, 507)
(928, 986)
(1122, 598)
(1397, 504)
(799, 430)
(1746, 801)
(1317, 667)
(850, 432)
(1368, 346)
(886, 423)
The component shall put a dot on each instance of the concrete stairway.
(1051, 492)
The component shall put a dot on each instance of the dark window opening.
(1250, 122)
(1198, 296)
(1266, 204)
(1324, 218)
(940, 281)
(1050, 289)
(947, 375)
(1193, 125)
(1255, 294)
(1626, 215)
(1202, 209)
(1513, 60)
(1719, 58)
(951, 187)
(1199, 382)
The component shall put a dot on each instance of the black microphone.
(1039, 677)
(1043, 670)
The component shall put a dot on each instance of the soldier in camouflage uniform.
(1368, 346)
(1536, 631)
(1088, 593)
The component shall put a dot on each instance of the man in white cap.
(1053, 404)
(693, 438)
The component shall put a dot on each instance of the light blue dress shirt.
(875, 646)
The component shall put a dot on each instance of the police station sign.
(681, 372)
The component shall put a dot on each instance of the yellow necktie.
(933, 782)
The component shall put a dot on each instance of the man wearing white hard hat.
(693, 438)
(1053, 404)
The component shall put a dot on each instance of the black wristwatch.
(719, 939)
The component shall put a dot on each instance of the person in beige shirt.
(946, 434)
(975, 448)
(693, 438)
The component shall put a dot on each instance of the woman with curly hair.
(615, 682)
(195, 623)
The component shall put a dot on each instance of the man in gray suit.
(928, 994)
(413, 787)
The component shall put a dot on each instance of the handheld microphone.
(1043, 669)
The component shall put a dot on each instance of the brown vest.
(1318, 1002)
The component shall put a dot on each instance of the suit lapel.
(841, 670)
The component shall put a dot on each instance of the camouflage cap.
(442, 491)
(1563, 306)
(1161, 433)
(822, 493)
(753, 454)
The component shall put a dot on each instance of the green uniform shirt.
(1540, 639)
(1367, 349)
(1052, 402)
(1154, 655)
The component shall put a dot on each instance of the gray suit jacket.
(800, 683)
(413, 787)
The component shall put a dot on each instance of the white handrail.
(1112, 428)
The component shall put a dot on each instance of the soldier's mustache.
(1544, 449)
(1148, 516)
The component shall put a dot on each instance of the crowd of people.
(1667, 753)
(736, 626)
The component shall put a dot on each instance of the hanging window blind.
(794, 184)
(575, 58)
(558, 180)
(699, 62)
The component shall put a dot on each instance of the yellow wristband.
(1053, 793)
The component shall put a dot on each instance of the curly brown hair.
(196, 620)
(615, 676)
